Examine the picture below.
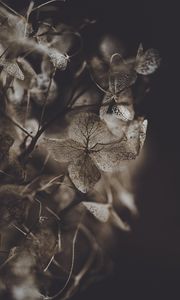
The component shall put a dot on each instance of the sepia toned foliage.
(70, 137)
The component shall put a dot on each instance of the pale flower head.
(91, 148)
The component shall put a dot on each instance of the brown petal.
(88, 129)
(109, 157)
(99, 210)
(148, 62)
(83, 173)
(62, 150)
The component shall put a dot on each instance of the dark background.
(148, 261)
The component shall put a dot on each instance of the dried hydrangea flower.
(147, 62)
(123, 112)
(121, 75)
(11, 67)
(100, 211)
(58, 59)
(91, 147)
(104, 213)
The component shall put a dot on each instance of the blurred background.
(147, 262)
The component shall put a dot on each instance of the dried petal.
(108, 157)
(148, 62)
(100, 211)
(12, 68)
(140, 51)
(143, 130)
(58, 59)
(121, 80)
(88, 129)
(123, 112)
(121, 75)
(62, 150)
(136, 134)
(83, 173)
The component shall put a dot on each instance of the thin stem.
(53, 213)
(87, 265)
(11, 9)
(49, 183)
(49, 263)
(48, 2)
(27, 16)
(71, 268)
(7, 261)
(19, 229)
(4, 173)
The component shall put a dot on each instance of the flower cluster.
(69, 134)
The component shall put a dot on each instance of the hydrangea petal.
(88, 129)
(83, 173)
(121, 75)
(62, 150)
(109, 157)
(123, 112)
(148, 62)
(99, 210)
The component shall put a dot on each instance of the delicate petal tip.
(143, 131)
(140, 51)
(148, 63)
(118, 222)
(83, 173)
(100, 211)
(58, 59)
(123, 112)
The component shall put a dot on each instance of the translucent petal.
(109, 157)
(125, 97)
(143, 130)
(148, 62)
(121, 80)
(58, 59)
(123, 112)
(136, 133)
(12, 69)
(139, 51)
(100, 211)
(88, 129)
(83, 173)
(121, 74)
(62, 150)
